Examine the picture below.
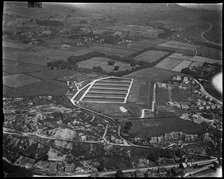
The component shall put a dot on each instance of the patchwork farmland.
(107, 90)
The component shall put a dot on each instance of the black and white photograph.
(106, 89)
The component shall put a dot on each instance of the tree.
(97, 69)
(111, 62)
(133, 64)
(116, 68)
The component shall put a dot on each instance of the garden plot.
(182, 65)
(150, 56)
(103, 63)
(19, 80)
(169, 63)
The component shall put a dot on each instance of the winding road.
(207, 30)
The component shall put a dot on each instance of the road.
(203, 33)
(206, 93)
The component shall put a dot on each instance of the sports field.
(108, 90)
(18, 80)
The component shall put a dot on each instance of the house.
(186, 79)
(201, 107)
(177, 104)
(184, 106)
(83, 138)
(69, 167)
(178, 78)
(208, 107)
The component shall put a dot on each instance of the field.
(183, 64)
(160, 126)
(147, 43)
(15, 45)
(103, 63)
(18, 80)
(51, 87)
(203, 59)
(23, 56)
(196, 64)
(112, 51)
(179, 45)
(113, 109)
(109, 90)
(61, 54)
(49, 75)
(150, 56)
(162, 96)
(210, 52)
(180, 56)
(19, 67)
(169, 63)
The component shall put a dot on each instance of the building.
(69, 167)
(184, 106)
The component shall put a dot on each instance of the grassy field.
(23, 56)
(150, 56)
(169, 63)
(18, 80)
(49, 75)
(162, 96)
(179, 45)
(60, 54)
(19, 67)
(16, 45)
(160, 126)
(50, 87)
(5, 73)
(140, 92)
(103, 63)
(113, 109)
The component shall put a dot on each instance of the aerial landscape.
(112, 89)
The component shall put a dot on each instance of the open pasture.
(49, 75)
(15, 45)
(51, 87)
(23, 56)
(160, 126)
(150, 56)
(19, 80)
(103, 63)
(61, 54)
(19, 67)
(112, 51)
